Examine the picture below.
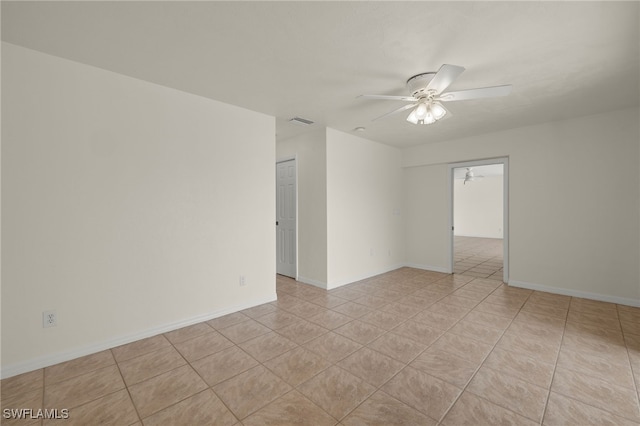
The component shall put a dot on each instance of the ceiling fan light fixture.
(426, 113)
(421, 111)
(438, 110)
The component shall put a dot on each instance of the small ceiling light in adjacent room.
(300, 121)
(359, 129)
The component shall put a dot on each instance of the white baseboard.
(427, 267)
(312, 282)
(576, 293)
(52, 359)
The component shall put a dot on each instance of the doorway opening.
(286, 218)
(479, 218)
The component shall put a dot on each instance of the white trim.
(312, 282)
(428, 267)
(576, 293)
(353, 279)
(48, 360)
(505, 205)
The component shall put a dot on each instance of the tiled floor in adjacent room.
(408, 347)
(478, 257)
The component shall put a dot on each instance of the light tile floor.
(478, 257)
(407, 347)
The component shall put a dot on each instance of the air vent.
(300, 121)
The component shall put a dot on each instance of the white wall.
(574, 202)
(364, 202)
(424, 188)
(477, 207)
(310, 151)
(128, 207)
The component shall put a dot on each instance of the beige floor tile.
(353, 310)
(186, 333)
(228, 320)
(244, 331)
(476, 331)
(302, 332)
(418, 331)
(612, 349)
(78, 366)
(113, 409)
(598, 393)
(464, 347)
(246, 393)
(594, 307)
(372, 302)
(290, 409)
(541, 309)
(346, 293)
(596, 366)
(278, 319)
(336, 391)
(522, 366)
(204, 345)
(497, 309)
(306, 309)
(383, 410)
(328, 301)
(223, 365)
(32, 399)
(21, 383)
(332, 346)
(446, 366)
(140, 347)
(330, 319)
(164, 390)
(297, 366)
(427, 394)
(258, 311)
(204, 408)
(398, 347)
(152, 364)
(566, 411)
(457, 312)
(360, 332)
(488, 320)
(267, 346)
(594, 319)
(465, 302)
(84, 388)
(371, 366)
(469, 409)
(470, 294)
(435, 320)
(401, 310)
(533, 346)
(382, 319)
(509, 392)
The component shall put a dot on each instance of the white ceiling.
(311, 59)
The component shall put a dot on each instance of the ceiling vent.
(300, 121)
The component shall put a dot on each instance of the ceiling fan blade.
(390, 98)
(395, 111)
(485, 92)
(444, 77)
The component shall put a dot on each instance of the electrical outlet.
(49, 319)
(242, 281)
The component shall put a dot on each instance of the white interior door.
(286, 218)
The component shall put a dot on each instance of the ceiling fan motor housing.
(418, 83)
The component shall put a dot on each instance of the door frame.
(505, 206)
(278, 161)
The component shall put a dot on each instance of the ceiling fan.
(470, 176)
(427, 95)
